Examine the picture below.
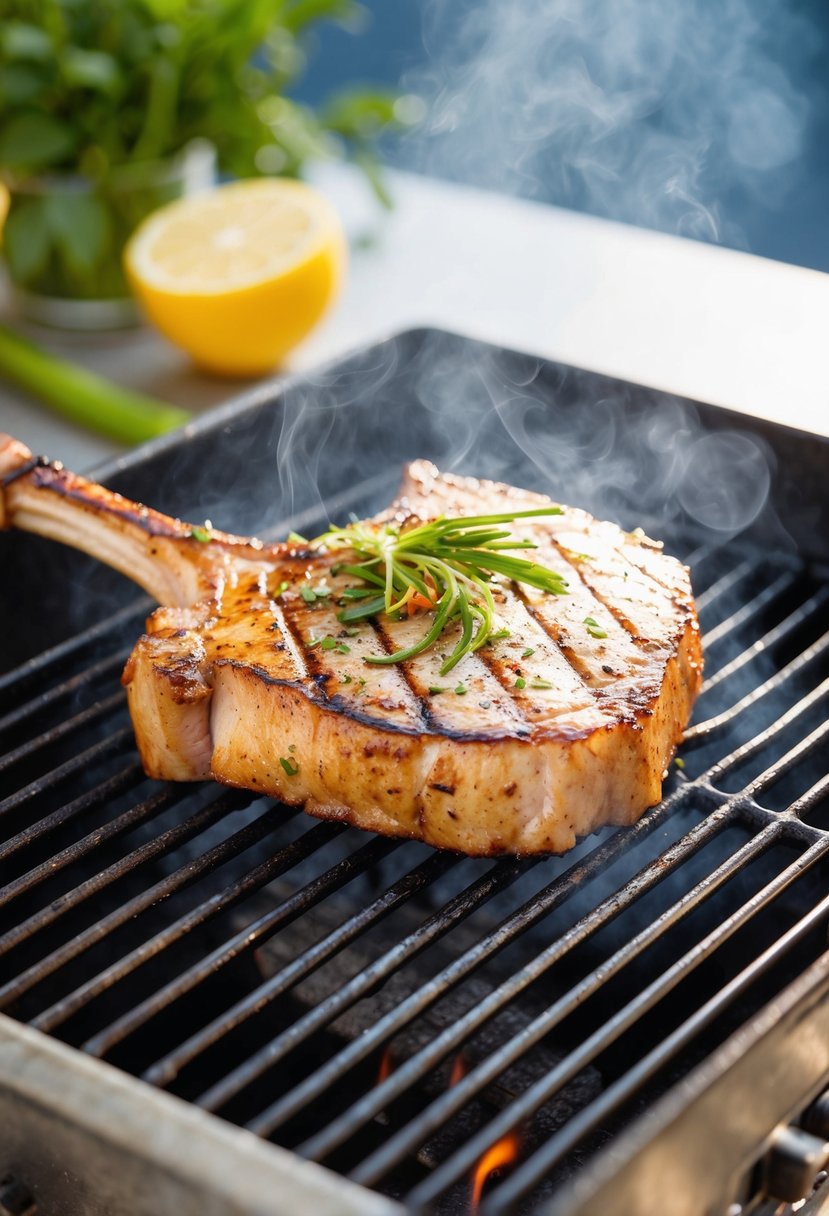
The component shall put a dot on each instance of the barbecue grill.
(214, 1004)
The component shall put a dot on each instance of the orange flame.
(458, 1071)
(503, 1152)
(385, 1068)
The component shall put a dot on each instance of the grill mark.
(509, 730)
(552, 631)
(498, 668)
(610, 605)
(421, 699)
(618, 614)
(298, 651)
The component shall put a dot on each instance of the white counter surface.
(693, 319)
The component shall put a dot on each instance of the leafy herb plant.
(446, 567)
(108, 89)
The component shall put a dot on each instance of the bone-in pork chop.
(564, 721)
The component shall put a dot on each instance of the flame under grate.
(320, 986)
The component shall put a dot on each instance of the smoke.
(340, 437)
(645, 111)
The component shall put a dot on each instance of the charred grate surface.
(389, 1011)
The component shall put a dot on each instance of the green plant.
(101, 88)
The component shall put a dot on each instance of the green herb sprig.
(449, 564)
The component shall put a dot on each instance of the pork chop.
(565, 721)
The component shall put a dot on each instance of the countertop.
(692, 319)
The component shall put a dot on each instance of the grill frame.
(804, 1002)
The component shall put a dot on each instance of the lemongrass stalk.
(84, 397)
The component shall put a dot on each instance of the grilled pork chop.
(541, 736)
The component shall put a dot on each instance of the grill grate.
(318, 986)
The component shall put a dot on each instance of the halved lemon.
(239, 276)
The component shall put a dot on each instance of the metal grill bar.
(77, 722)
(795, 621)
(534, 1169)
(811, 798)
(118, 740)
(727, 582)
(246, 939)
(415, 880)
(55, 654)
(704, 730)
(80, 680)
(281, 861)
(497, 879)
(428, 1057)
(477, 1079)
(110, 788)
(119, 916)
(759, 741)
(748, 611)
(802, 748)
(141, 812)
(533, 1098)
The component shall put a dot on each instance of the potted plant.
(109, 108)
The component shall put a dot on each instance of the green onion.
(451, 562)
(290, 768)
(434, 689)
(537, 682)
(84, 397)
(308, 594)
(460, 691)
(202, 535)
(520, 682)
(525, 654)
(594, 628)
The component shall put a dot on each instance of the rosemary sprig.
(445, 566)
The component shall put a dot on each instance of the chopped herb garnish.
(501, 633)
(360, 684)
(537, 682)
(345, 679)
(308, 594)
(202, 535)
(444, 567)
(351, 633)
(594, 628)
(525, 654)
(296, 539)
(283, 587)
(679, 762)
(328, 643)
(434, 689)
(520, 682)
(460, 691)
(290, 768)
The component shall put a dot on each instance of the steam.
(620, 451)
(645, 111)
